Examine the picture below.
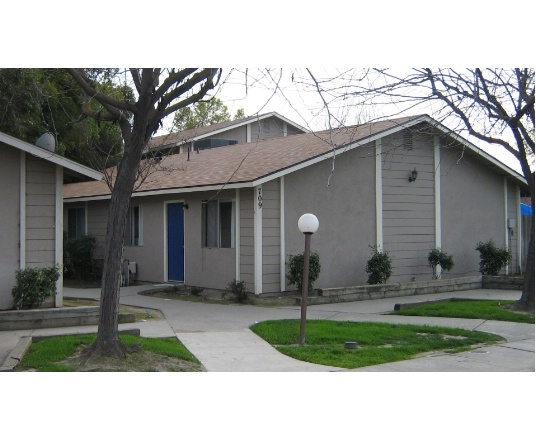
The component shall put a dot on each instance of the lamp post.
(308, 225)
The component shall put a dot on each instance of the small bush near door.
(492, 258)
(295, 268)
(33, 285)
(378, 266)
(436, 257)
(238, 290)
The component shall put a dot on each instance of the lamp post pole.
(308, 224)
(305, 285)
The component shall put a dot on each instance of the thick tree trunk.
(108, 342)
(526, 302)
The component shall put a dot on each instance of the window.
(133, 229)
(218, 224)
(76, 222)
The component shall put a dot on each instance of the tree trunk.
(526, 302)
(108, 342)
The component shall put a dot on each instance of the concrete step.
(382, 291)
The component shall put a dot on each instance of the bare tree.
(158, 93)
(495, 106)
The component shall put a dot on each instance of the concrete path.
(219, 335)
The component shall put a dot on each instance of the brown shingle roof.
(241, 163)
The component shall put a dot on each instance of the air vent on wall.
(407, 141)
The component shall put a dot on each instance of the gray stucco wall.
(345, 210)
(204, 267)
(9, 223)
(472, 198)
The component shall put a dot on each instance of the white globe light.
(308, 224)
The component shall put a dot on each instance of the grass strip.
(488, 310)
(378, 343)
(45, 355)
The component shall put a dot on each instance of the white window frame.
(204, 238)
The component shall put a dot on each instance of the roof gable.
(193, 134)
(50, 156)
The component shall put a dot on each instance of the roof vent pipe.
(47, 142)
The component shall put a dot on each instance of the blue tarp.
(526, 209)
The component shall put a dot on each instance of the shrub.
(436, 257)
(378, 266)
(238, 290)
(79, 255)
(492, 258)
(295, 267)
(33, 285)
(196, 291)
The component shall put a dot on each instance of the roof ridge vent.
(47, 142)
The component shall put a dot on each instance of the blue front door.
(175, 241)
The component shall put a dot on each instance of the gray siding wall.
(40, 212)
(408, 207)
(293, 130)
(271, 245)
(345, 210)
(472, 199)
(513, 234)
(266, 129)
(247, 248)
(9, 223)
(40, 215)
(236, 134)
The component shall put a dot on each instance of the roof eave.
(50, 156)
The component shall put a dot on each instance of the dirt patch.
(137, 361)
(141, 314)
(214, 296)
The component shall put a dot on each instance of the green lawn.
(45, 355)
(378, 343)
(490, 310)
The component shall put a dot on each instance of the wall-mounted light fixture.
(413, 175)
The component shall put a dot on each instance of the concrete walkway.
(219, 335)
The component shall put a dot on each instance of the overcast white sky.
(304, 106)
(281, 33)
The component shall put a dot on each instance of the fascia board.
(50, 156)
(476, 149)
(351, 146)
(159, 192)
